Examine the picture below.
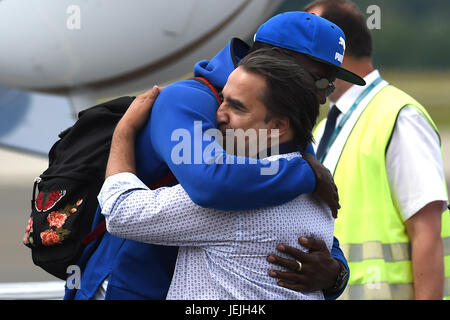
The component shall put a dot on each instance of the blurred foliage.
(413, 34)
(412, 50)
(430, 88)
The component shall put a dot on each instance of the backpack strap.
(164, 181)
(94, 234)
(101, 227)
(210, 86)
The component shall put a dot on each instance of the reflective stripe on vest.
(370, 228)
(388, 252)
(393, 252)
(384, 290)
(379, 291)
(376, 250)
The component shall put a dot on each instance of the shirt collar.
(284, 148)
(346, 101)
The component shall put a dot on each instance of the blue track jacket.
(144, 271)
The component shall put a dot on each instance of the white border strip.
(52, 290)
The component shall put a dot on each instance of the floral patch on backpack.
(47, 200)
(54, 233)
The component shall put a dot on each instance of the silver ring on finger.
(299, 268)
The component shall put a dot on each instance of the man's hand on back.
(138, 113)
(318, 269)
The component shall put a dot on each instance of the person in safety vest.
(385, 154)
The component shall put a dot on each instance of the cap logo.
(342, 42)
(340, 57)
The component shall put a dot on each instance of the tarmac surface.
(17, 173)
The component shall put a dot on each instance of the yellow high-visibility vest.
(370, 227)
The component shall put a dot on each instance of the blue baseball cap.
(311, 35)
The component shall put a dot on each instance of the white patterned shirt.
(222, 254)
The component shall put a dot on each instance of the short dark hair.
(347, 15)
(290, 91)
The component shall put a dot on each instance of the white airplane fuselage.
(103, 48)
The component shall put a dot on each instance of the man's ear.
(283, 125)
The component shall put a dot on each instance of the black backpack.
(63, 210)
(62, 213)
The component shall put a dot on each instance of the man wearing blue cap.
(124, 269)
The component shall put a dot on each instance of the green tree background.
(412, 49)
(414, 34)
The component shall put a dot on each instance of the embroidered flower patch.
(50, 237)
(47, 200)
(53, 223)
(28, 238)
(56, 220)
